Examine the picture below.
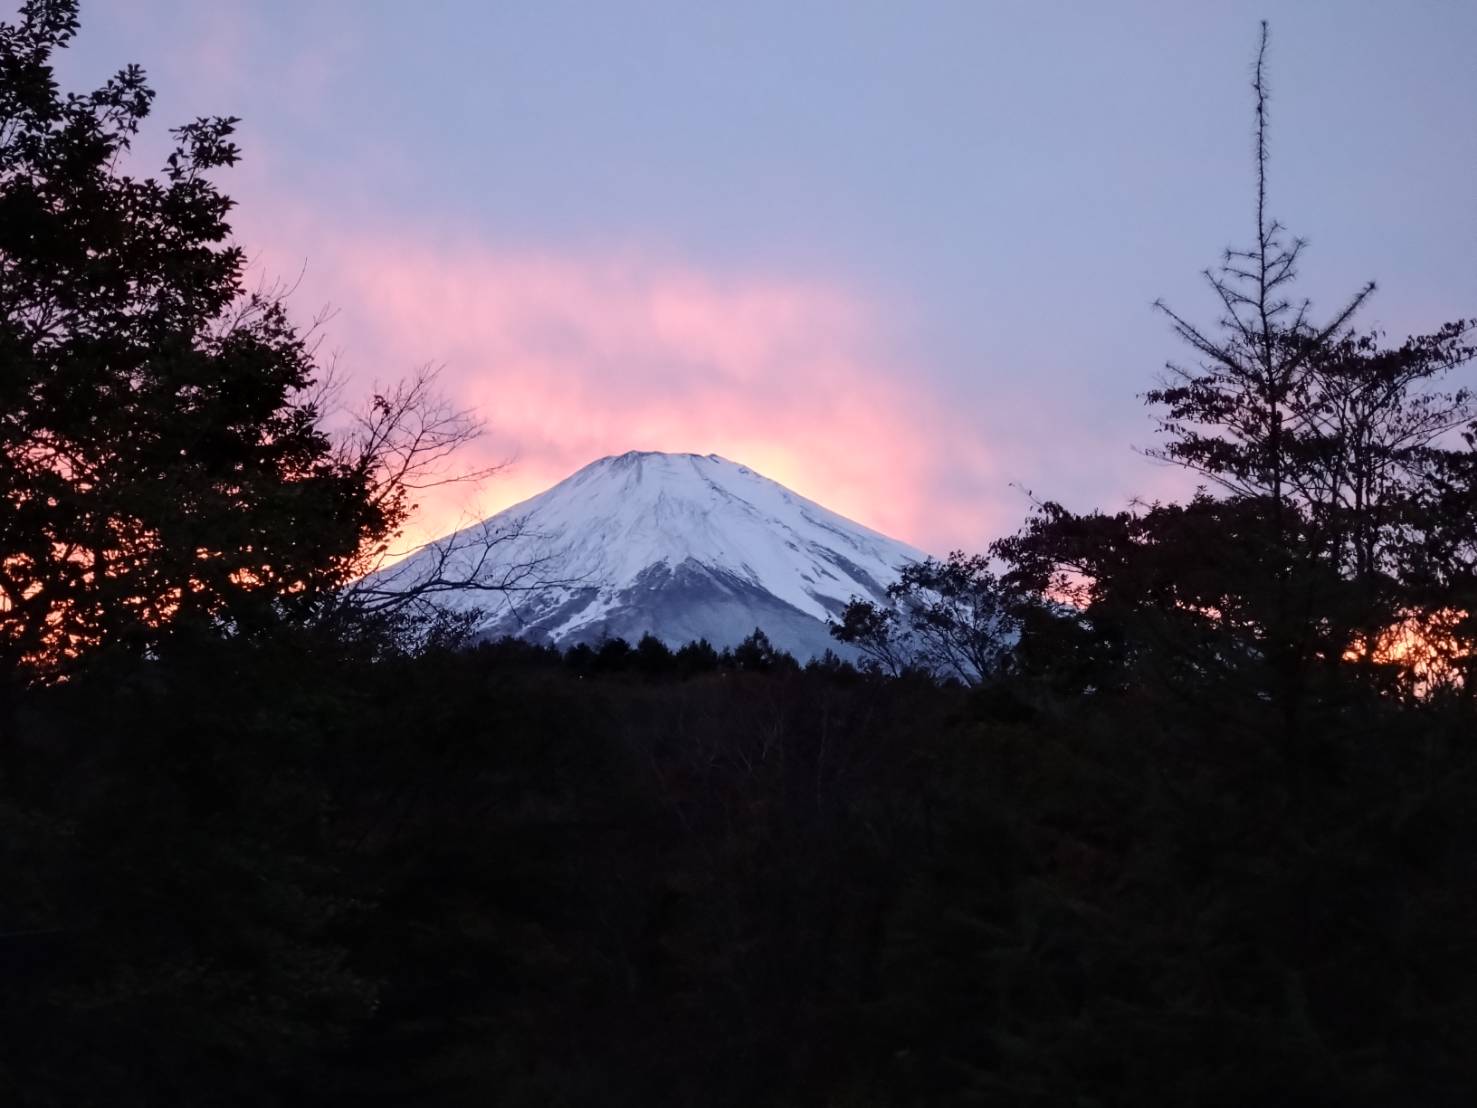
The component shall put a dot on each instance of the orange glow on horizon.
(1426, 648)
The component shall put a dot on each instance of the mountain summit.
(684, 546)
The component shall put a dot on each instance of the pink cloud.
(571, 356)
(572, 353)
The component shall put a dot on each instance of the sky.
(899, 257)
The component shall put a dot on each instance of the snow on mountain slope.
(684, 546)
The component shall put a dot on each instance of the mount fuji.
(683, 546)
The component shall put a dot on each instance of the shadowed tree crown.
(1337, 489)
(162, 461)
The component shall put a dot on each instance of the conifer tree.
(1320, 450)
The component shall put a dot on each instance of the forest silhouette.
(1169, 805)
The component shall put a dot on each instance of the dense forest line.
(277, 874)
(1175, 804)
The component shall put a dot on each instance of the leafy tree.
(165, 464)
(757, 654)
(1168, 588)
(696, 657)
(653, 657)
(1439, 568)
(613, 656)
(580, 658)
(832, 664)
(1322, 453)
(1380, 465)
(874, 629)
(162, 461)
(951, 618)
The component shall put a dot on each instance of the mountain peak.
(635, 455)
(680, 545)
(661, 462)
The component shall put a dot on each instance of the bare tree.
(405, 439)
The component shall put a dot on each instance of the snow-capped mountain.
(684, 546)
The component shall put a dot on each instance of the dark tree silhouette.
(161, 459)
(950, 618)
(165, 460)
(1318, 447)
(758, 655)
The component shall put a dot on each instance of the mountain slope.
(684, 546)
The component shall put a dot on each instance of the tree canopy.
(162, 459)
(1336, 497)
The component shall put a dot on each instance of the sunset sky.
(900, 257)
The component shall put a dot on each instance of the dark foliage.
(1335, 528)
(951, 619)
(283, 875)
(161, 459)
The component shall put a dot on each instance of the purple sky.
(898, 256)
